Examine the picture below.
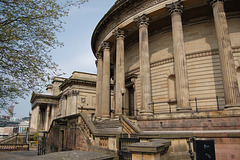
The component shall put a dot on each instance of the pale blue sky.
(76, 55)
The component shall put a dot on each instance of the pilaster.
(64, 105)
(74, 98)
(182, 88)
(145, 75)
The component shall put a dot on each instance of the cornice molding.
(112, 23)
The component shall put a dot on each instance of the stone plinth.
(149, 150)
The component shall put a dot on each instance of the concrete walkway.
(67, 155)
(18, 155)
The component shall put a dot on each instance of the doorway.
(131, 100)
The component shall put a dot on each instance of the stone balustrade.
(13, 147)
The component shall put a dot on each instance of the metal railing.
(197, 105)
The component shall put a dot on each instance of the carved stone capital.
(175, 7)
(106, 45)
(119, 33)
(99, 55)
(75, 92)
(96, 62)
(133, 80)
(212, 2)
(142, 20)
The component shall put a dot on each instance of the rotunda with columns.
(171, 56)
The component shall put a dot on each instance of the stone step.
(108, 124)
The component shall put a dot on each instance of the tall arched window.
(172, 88)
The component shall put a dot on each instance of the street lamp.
(123, 92)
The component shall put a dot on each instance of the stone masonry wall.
(227, 148)
(75, 140)
(201, 124)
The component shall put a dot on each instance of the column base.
(106, 117)
(184, 109)
(98, 118)
(232, 106)
(146, 112)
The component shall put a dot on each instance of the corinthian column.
(120, 75)
(106, 81)
(99, 86)
(145, 75)
(230, 84)
(182, 89)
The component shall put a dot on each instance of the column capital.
(142, 20)
(212, 2)
(175, 7)
(119, 33)
(75, 92)
(106, 45)
(99, 55)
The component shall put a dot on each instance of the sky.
(76, 54)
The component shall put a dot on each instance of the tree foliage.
(27, 34)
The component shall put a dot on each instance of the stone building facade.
(167, 52)
(168, 74)
(178, 62)
(64, 97)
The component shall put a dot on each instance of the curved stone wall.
(200, 47)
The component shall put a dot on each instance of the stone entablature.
(38, 98)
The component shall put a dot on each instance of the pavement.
(67, 155)
(18, 155)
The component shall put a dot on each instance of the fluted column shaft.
(74, 102)
(37, 114)
(99, 86)
(47, 117)
(145, 75)
(120, 75)
(69, 104)
(182, 88)
(64, 105)
(106, 81)
(230, 83)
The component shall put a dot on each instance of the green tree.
(27, 34)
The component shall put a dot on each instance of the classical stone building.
(64, 97)
(168, 75)
(179, 64)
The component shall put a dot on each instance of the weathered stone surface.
(67, 155)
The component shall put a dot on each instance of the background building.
(64, 97)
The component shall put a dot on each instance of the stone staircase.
(108, 125)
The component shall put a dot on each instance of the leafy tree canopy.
(27, 34)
